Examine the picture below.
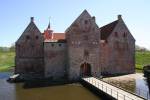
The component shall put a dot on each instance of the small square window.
(60, 45)
(52, 45)
(27, 37)
(86, 22)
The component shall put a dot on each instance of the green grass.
(142, 58)
(6, 60)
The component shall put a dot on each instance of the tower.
(83, 38)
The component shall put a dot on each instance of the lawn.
(7, 60)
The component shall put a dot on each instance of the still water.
(10, 91)
(135, 83)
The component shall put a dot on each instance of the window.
(18, 45)
(86, 22)
(37, 37)
(59, 45)
(27, 37)
(124, 34)
(52, 45)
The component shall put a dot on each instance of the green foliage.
(142, 58)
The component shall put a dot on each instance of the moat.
(10, 91)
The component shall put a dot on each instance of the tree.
(12, 47)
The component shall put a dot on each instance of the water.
(10, 91)
(135, 83)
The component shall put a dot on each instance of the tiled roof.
(58, 36)
(107, 30)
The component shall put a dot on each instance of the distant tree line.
(8, 49)
(141, 49)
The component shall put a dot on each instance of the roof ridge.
(107, 29)
(109, 23)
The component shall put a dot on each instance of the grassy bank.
(142, 58)
(7, 60)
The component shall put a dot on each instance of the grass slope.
(142, 58)
(7, 60)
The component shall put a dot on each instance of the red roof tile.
(58, 36)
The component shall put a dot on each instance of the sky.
(15, 16)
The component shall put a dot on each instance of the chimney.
(32, 19)
(93, 18)
(119, 17)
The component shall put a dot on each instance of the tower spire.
(49, 26)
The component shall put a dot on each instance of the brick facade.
(84, 49)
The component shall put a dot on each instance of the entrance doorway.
(85, 69)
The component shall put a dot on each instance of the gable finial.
(119, 17)
(32, 19)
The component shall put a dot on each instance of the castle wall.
(55, 59)
(118, 52)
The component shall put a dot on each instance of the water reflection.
(148, 83)
(135, 83)
(9, 91)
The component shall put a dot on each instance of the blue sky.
(15, 16)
